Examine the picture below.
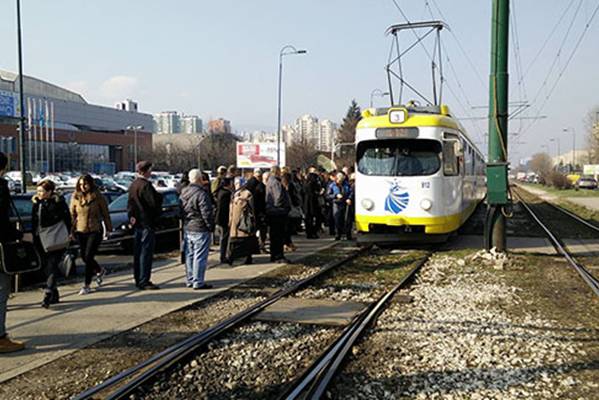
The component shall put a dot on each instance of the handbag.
(67, 264)
(54, 237)
(17, 257)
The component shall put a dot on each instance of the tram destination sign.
(259, 155)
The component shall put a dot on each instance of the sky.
(220, 58)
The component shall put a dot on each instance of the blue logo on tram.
(397, 199)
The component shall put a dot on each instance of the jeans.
(88, 247)
(339, 218)
(4, 292)
(143, 253)
(198, 245)
(51, 261)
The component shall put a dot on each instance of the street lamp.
(22, 123)
(285, 51)
(573, 146)
(379, 93)
(135, 129)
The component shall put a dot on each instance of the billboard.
(591, 169)
(8, 104)
(259, 155)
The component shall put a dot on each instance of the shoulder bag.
(54, 237)
(18, 256)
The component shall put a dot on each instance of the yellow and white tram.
(418, 175)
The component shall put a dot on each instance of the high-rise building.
(219, 126)
(306, 128)
(326, 135)
(191, 124)
(167, 122)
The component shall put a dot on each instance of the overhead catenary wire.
(563, 70)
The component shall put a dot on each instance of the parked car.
(13, 185)
(586, 182)
(167, 226)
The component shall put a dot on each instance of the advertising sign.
(591, 169)
(8, 104)
(259, 155)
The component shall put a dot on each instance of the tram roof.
(393, 29)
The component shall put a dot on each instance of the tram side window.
(450, 159)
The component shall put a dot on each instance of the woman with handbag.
(88, 211)
(51, 224)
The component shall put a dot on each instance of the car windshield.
(120, 204)
(401, 157)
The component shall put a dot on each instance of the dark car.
(24, 205)
(167, 226)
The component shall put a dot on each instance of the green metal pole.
(497, 183)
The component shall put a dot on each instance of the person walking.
(8, 233)
(277, 210)
(88, 211)
(223, 202)
(337, 195)
(144, 207)
(198, 220)
(243, 241)
(49, 209)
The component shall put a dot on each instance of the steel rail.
(315, 380)
(576, 217)
(561, 248)
(178, 351)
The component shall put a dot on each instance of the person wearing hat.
(144, 208)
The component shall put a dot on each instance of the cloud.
(119, 87)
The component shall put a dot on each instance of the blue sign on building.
(8, 104)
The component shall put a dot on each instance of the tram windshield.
(401, 157)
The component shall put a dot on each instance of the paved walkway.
(591, 203)
(79, 321)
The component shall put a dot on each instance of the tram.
(418, 174)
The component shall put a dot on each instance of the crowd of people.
(242, 214)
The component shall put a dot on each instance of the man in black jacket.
(198, 218)
(312, 189)
(223, 202)
(8, 233)
(277, 211)
(144, 208)
(258, 190)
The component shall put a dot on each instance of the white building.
(167, 122)
(307, 128)
(191, 124)
(326, 135)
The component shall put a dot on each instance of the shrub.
(559, 181)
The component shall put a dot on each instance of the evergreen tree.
(347, 134)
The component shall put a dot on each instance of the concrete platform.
(311, 311)
(591, 203)
(583, 247)
(515, 244)
(79, 321)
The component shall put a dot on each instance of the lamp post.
(379, 93)
(22, 123)
(557, 149)
(285, 51)
(573, 146)
(135, 129)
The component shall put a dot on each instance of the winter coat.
(242, 206)
(312, 189)
(53, 210)
(8, 232)
(223, 202)
(277, 199)
(198, 213)
(88, 211)
(258, 190)
(333, 190)
(145, 203)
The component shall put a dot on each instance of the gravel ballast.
(475, 331)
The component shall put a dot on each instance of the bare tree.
(591, 126)
(301, 153)
(542, 165)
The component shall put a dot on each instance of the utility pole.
(22, 123)
(497, 180)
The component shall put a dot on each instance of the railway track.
(125, 383)
(559, 245)
(130, 383)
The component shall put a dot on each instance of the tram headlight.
(367, 204)
(426, 204)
